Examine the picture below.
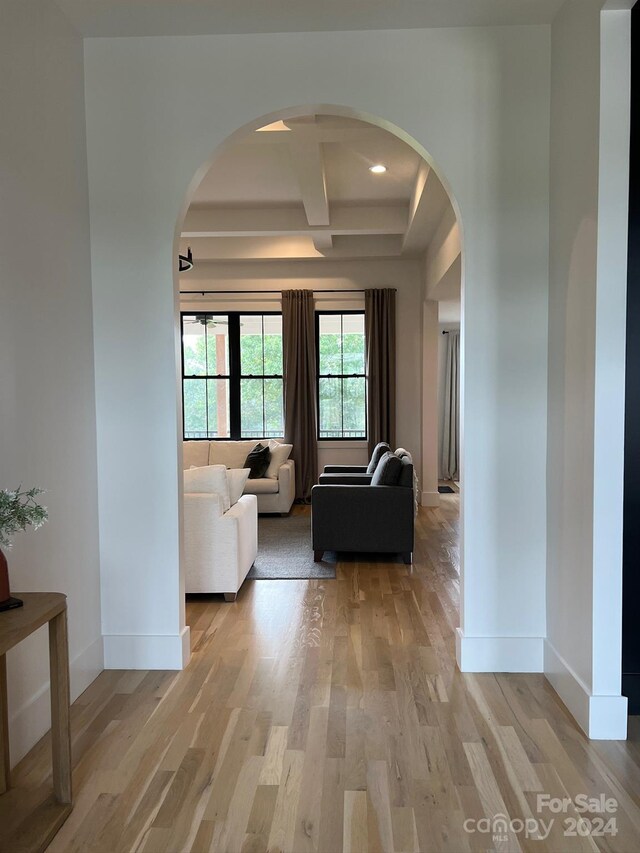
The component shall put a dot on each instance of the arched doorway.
(333, 224)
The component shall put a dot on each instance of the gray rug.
(285, 553)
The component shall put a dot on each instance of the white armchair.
(219, 547)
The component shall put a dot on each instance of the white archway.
(175, 104)
(429, 318)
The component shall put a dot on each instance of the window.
(232, 375)
(342, 384)
(261, 388)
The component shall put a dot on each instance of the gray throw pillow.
(388, 471)
(378, 451)
(258, 462)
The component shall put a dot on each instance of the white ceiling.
(259, 169)
(305, 191)
(250, 173)
(198, 17)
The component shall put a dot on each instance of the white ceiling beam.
(346, 220)
(418, 192)
(448, 287)
(429, 200)
(323, 241)
(443, 258)
(308, 165)
(212, 249)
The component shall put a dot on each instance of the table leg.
(60, 723)
(5, 766)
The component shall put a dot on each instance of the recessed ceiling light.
(378, 169)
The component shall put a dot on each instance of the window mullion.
(235, 368)
(342, 372)
(264, 412)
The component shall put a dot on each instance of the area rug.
(446, 490)
(284, 551)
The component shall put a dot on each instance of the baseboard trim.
(33, 719)
(147, 651)
(430, 499)
(499, 654)
(600, 717)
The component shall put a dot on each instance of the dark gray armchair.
(349, 516)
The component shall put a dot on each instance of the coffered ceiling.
(304, 189)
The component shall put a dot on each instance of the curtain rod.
(240, 292)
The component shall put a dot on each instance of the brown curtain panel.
(299, 341)
(380, 331)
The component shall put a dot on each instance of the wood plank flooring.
(329, 716)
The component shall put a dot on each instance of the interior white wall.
(403, 274)
(477, 100)
(588, 227)
(47, 408)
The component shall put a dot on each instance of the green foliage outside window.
(206, 401)
(341, 380)
(342, 396)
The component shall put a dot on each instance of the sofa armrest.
(287, 479)
(203, 514)
(344, 469)
(219, 547)
(345, 479)
(362, 518)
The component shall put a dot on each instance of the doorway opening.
(335, 203)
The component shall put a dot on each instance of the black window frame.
(320, 376)
(235, 375)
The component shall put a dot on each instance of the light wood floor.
(330, 716)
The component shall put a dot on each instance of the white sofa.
(275, 494)
(219, 547)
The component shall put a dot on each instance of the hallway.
(330, 716)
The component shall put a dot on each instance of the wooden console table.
(32, 830)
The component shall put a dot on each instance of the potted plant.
(18, 510)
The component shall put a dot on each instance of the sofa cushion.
(381, 448)
(207, 480)
(258, 461)
(231, 454)
(237, 479)
(195, 454)
(280, 452)
(262, 486)
(388, 470)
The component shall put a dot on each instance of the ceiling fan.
(205, 320)
(185, 262)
